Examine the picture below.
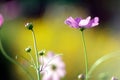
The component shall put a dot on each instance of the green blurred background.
(52, 34)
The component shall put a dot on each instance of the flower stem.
(85, 55)
(37, 56)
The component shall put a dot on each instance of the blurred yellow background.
(53, 35)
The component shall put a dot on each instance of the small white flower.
(53, 68)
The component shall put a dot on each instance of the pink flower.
(1, 20)
(82, 23)
(53, 67)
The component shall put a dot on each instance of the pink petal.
(96, 19)
(95, 23)
(46, 77)
(71, 22)
(61, 72)
(56, 77)
(50, 54)
(78, 20)
(1, 20)
(84, 22)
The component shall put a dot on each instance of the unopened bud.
(29, 26)
(81, 77)
(42, 52)
(28, 49)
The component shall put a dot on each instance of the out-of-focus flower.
(11, 9)
(82, 23)
(114, 78)
(81, 77)
(1, 20)
(53, 67)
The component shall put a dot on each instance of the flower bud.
(28, 49)
(81, 77)
(29, 26)
(42, 52)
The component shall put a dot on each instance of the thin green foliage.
(103, 59)
(15, 62)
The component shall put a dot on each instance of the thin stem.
(13, 61)
(42, 63)
(37, 56)
(25, 59)
(85, 55)
(32, 60)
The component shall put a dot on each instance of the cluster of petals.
(82, 23)
(53, 68)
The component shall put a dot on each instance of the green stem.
(85, 55)
(32, 60)
(13, 61)
(37, 56)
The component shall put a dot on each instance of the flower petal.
(1, 20)
(78, 20)
(84, 22)
(55, 77)
(71, 22)
(61, 72)
(95, 23)
(48, 72)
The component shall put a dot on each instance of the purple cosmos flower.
(1, 20)
(53, 67)
(82, 23)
